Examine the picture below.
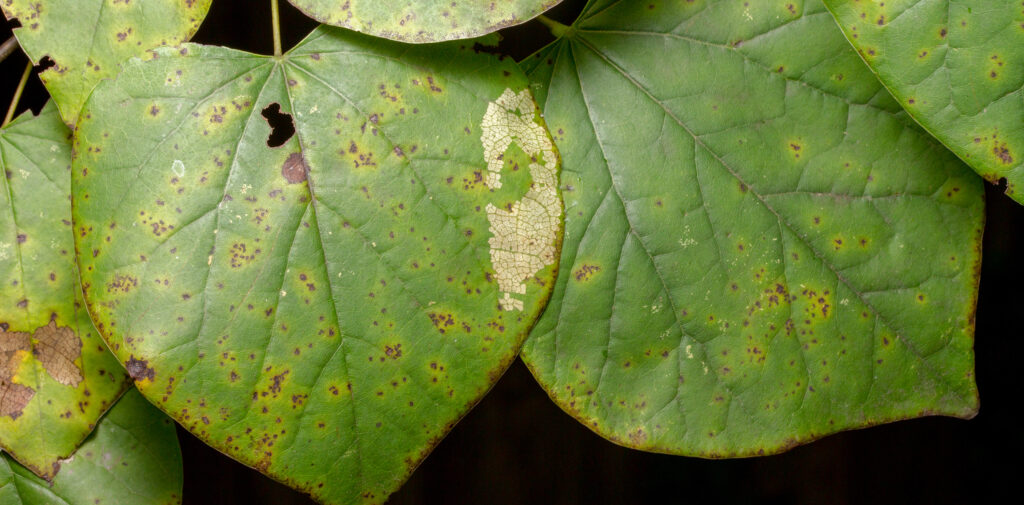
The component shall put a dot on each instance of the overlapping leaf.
(956, 67)
(424, 20)
(326, 309)
(56, 376)
(87, 39)
(758, 250)
(132, 457)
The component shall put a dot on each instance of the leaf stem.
(7, 48)
(275, 19)
(17, 95)
(557, 29)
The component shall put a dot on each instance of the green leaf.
(56, 376)
(88, 39)
(758, 252)
(420, 21)
(325, 310)
(132, 457)
(958, 70)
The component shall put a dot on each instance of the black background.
(518, 448)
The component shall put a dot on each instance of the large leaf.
(956, 67)
(131, 458)
(56, 376)
(327, 309)
(424, 20)
(87, 39)
(758, 252)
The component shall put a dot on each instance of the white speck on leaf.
(178, 167)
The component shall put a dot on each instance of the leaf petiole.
(557, 29)
(17, 95)
(7, 48)
(275, 19)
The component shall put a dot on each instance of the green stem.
(7, 48)
(17, 95)
(557, 29)
(275, 19)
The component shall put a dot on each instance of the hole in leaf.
(281, 125)
(45, 63)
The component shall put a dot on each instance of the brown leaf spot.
(1003, 153)
(139, 369)
(13, 397)
(57, 349)
(294, 169)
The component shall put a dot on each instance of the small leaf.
(132, 457)
(958, 70)
(317, 263)
(758, 251)
(86, 40)
(56, 376)
(420, 21)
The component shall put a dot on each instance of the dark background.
(518, 448)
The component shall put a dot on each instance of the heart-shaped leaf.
(758, 251)
(132, 457)
(56, 376)
(326, 309)
(87, 39)
(956, 67)
(424, 20)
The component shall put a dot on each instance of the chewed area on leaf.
(524, 235)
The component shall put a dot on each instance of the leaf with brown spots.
(420, 21)
(321, 302)
(758, 253)
(958, 70)
(131, 458)
(86, 40)
(56, 376)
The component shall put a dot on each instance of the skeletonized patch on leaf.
(525, 235)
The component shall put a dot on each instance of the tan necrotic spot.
(523, 237)
(13, 397)
(294, 169)
(57, 349)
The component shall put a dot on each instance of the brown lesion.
(56, 347)
(13, 397)
(139, 369)
(294, 169)
(1002, 152)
